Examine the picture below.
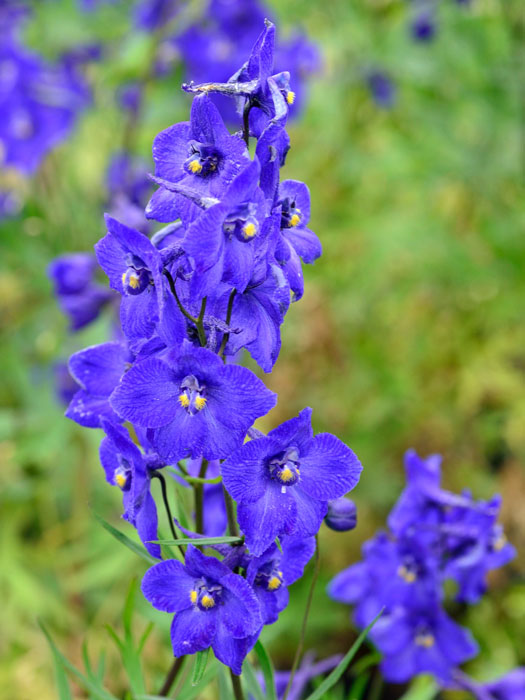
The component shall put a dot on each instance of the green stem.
(300, 646)
(226, 336)
(200, 324)
(233, 527)
(160, 477)
(237, 687)
(195, 480)
(198, 491)
(171, 282)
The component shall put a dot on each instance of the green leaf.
(338, 671)
(267, 669)
(250, 677)
(422, 688)
(200, 666)
(359, 686)
(125, 540)
(89, 685)
(200, 541)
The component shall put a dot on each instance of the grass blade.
(338, 671)
(267, 669)
(125, 540)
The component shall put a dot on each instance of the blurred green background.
(411, 332)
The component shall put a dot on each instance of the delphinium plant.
(168, 392)
(434, 537)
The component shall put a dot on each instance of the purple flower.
(230, 237)
(39, 102)
(415, 641)
(79, 296)
(212, 605)
(134, 267)
(381, 88)
(150, 15)
(297, 241)
(341, 515)
(200, 154)
(127, 468)
(307, 671)
(273, 571)
(65, 386)
(257, 315)
(392, 573)
(195, 405)
(511, 686)
(283, 482)
(423, 27)
(129, 190)
(97, 370)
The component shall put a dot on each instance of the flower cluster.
(39, 101)
(215, 279)
(433, 536)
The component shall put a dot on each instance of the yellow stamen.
(184, 400)
(249, 230)
(200, 402)
(133, 281)
(426, 641)
(296, 219)
(274, 583)
(121, 479)
(407, 575)
(286, 475)
(123, 278)
(194, 166)
(207, 601)
(193, 597)
(290, 97)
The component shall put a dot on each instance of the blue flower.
(200, 154)
(150, 15)
(423, 26)
(257, 314)
(297, 241)
(98, 370)
(195, 405)
(212, 605)
(341, 515)
(127, 468)
(79, 296)
(381, 88)
(129, 190)
(271, 573)
(425, 640)
(283, 482)
(134, 267)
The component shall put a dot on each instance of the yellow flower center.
(290, 97)
(194, 166)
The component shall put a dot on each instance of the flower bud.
(342, 515)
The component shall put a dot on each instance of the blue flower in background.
(79, 296)
(212, 605)
(283, 482)
(382, 89)
(424, 640)
(129, 189)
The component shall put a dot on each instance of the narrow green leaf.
(144, 637)
(200, 666)
(127, 612)
(359, 686)
(191, 693)
(89, 685)
(224, 686)
(422, 688)
(267, 669)
(64, 691)
(200, 541)
(114, 636)
(338, 671)
(125, 540)
(249, 675)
